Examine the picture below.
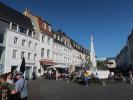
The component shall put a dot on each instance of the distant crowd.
(85, 77)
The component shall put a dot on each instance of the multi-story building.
(60, 48)
(45, 37)
(124, 60)
(111, 63)
(62, 51)
(79, 54)
(31, 37)
(67, 52)
(18, 40)
(130, 49)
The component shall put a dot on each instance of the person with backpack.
(21, 87)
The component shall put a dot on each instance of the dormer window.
(65, 43)
(61, 39)
(49, 28)
(22, 30)
(14, 27)
(30, 33)
(44, 26)
(34, 34)
(54, 36)
(58, 37)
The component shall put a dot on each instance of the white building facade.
(31, 37)
(62, 51)
(18, 40)
(45, 37)
(17, 47)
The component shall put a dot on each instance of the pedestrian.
(7, 91)
(9, 78)
(21, 87)
(97, 77)
(86, 78)
(33, 75)
(57, 75)
(130, 77)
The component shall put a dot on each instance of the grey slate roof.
(11, 14)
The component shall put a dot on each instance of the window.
(1, 37)
(22, 30)
(14, 27)
(35, 45)
(30, 33)
(61, 39)
(22, 54)
(14, 54)
(48, 40)
(29, 56)
(29, 44)
(49, 28)
(15, 40)
(54, 36)
(58, 37)
(35, 55)
(43, 38)
(44, 26)
(42, 52)
(23, 42)
(34, 34)
(48, 54)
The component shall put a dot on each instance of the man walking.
(21, 87)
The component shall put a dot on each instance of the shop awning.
(59, 66)
(47, 62)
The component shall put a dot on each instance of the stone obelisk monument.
(93, 63)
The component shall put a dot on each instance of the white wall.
(46, 46)
(76, 60)
(10, 46)
(62, 54)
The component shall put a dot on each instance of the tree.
(22, 67)
(101, 65)
(88, 62)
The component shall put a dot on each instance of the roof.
(11, 14)
(43, 20)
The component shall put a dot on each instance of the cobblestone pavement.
(61, 90)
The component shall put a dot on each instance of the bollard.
(103, 83)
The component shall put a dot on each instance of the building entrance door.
(13, 69)
(28, 72)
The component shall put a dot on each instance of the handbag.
(18, 94)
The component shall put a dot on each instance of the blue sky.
(110, 21)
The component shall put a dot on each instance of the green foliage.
(101, 65)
